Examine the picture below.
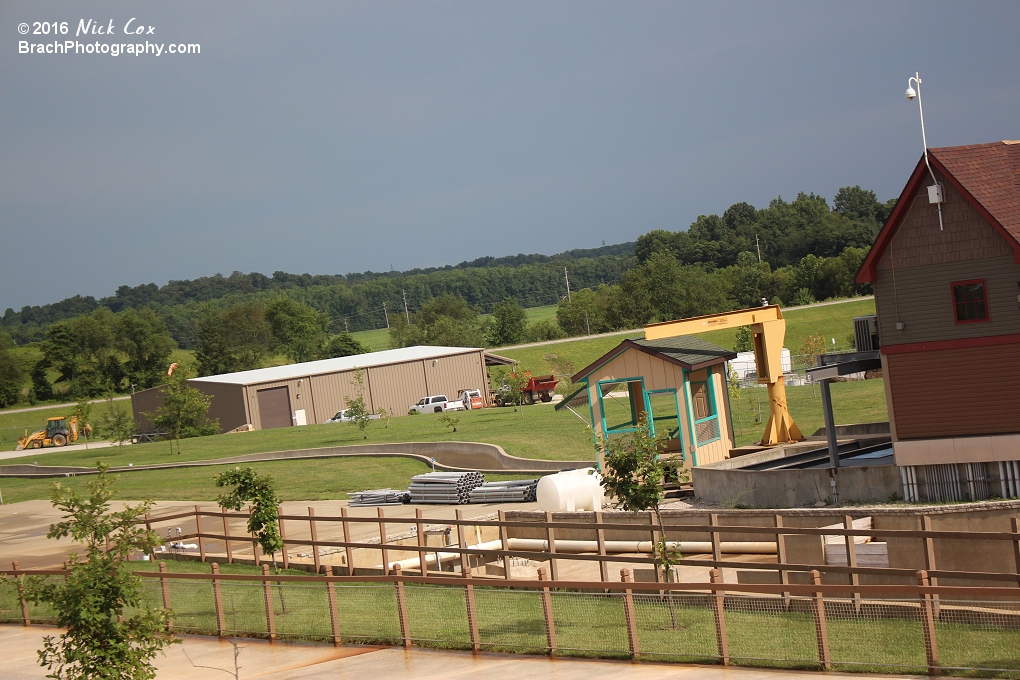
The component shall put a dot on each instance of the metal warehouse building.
(312, 392)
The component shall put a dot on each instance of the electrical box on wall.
(935, 194)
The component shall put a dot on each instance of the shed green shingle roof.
(689, 351)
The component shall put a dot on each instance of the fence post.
(547, 610)
(423, 564)
(929, 559)
(821, 627)
(1015, 527)
(198, 530)
(716, 547)
(315, 538)
(347, 539)
(465, 569)
(382, 541)
(267, 588)
(718, 598)
(405, 625)
(283, 536)
(629, 615)
(851, 560)
(931, 649)
(221, 623)
(655, 539)
(550, 535)
(472, 616)
(504, 543)
(601, 537)
(226, 535)
(148, 527)
(25, 618)
(164, 586)
(334, 612)
(784, 575)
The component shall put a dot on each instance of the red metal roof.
(988, 176)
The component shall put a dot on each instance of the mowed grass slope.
(569, 356)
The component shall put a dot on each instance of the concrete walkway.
(207, 657)
(70, 404)
(93, 444)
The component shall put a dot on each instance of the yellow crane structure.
(768, 328)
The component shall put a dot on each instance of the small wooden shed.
(679, 383)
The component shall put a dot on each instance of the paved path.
(206, 657)
(101, 444)
(67, 405)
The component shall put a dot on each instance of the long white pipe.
(569, 546)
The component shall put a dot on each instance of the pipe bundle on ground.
(378, 497)
(446, 488)
(511, 491)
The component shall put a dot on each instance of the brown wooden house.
(947, 293)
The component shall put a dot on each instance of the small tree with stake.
(357, 408)
(635, 474)
(101, 642)
(264, 520)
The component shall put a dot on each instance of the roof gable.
(988, 177)
(686, 351)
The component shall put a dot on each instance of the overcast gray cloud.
(336, 137)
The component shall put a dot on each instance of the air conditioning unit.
(866, 333)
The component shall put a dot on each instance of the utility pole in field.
(346, 329)
(407, 315)
(756, 245)
(387, 315)
(567, 279)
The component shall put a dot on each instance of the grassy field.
(564, 358)
(542, 433)
(587, 624)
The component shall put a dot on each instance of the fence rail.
(504, 552)
(916, 627)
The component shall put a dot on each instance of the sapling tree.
(264, 520)
(116, 423)
(357, 408)
(449, 421)
(102, 641)
(635, 472)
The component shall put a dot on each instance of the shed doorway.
(274, 407)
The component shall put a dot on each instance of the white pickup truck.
(436, 404)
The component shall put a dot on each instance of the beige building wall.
(397, 386)
(448, 375)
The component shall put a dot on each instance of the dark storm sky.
(335, 137)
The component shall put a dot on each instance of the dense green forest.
(788, 253)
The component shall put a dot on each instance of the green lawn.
(760, 632)
(541, 433)
(861, 401)
(569, 356)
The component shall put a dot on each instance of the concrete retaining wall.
(796, 488)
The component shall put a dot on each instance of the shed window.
(970, 301)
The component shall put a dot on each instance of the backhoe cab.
(59, 431)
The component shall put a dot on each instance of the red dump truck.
(539, 388)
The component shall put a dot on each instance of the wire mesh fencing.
(835, 630)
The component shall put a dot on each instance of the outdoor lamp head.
(910, 93)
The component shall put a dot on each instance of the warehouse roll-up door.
(274, 407)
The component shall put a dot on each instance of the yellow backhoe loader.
(59, 431)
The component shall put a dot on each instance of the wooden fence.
(919, 602)
(852, 571)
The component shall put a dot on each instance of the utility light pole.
(407, 315)
(934, 191)
(567, 279)
(387, 315)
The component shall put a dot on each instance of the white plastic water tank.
(573, 490)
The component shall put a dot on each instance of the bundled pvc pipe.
(448, 488)
(513, 491)
(378, 497)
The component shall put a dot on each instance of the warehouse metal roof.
(323, 366)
